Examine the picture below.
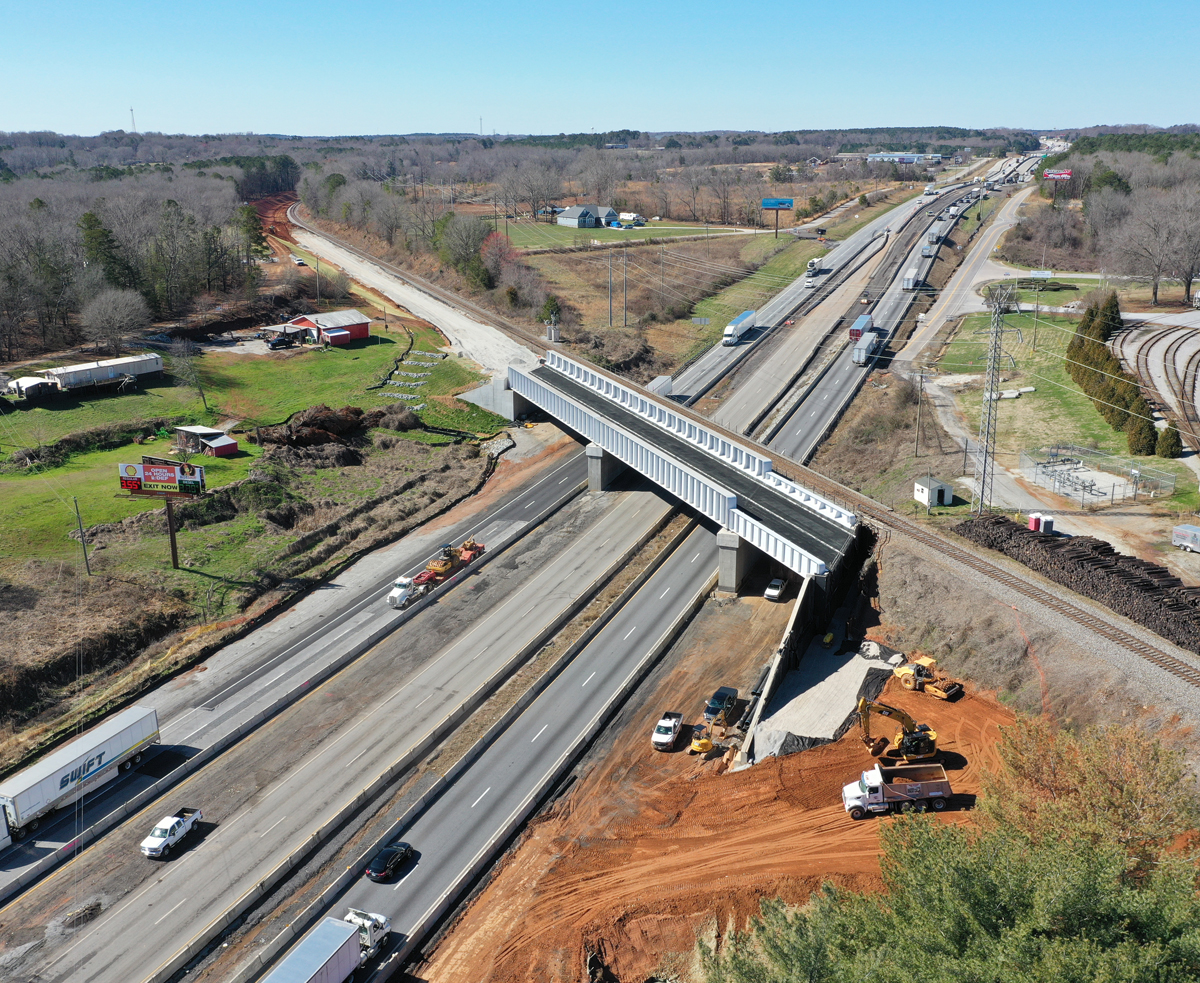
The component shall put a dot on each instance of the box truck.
(912, 279)
(78, 767)
(864, 322)
(738, 327)
(332, 951)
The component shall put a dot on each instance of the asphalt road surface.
(250, 674)
(181, 896)
(468, 814)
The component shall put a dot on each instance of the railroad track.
(880, 517)
(1180, 383)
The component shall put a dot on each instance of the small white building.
(931, 491)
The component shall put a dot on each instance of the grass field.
(540, 235)
(1058, 412)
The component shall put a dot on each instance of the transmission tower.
(985, 453)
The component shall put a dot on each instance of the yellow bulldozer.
(924, 675)
(912, 742)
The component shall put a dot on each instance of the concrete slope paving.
(200, 710)
(477, 807)
(140, 932)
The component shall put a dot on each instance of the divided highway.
(483, 804)
(248, 677)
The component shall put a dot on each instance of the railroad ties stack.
(1143, 592)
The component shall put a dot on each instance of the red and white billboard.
(1056, 175)
(162, 480)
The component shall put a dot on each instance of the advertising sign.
(162, 480)
(1049, 175)
(1041, 274)
(778, 204)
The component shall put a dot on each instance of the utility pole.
(985, 463)
(625, 287)
(318, 261)
(662, 293)
(917, 435)
(610, 288)
(79, 521)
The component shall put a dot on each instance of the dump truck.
(923, 674)
(891, 789)
(738, 327)
(451, 559)
(169, 831)
(912, 742)
(80, 766)
(332, 951)
(666, 731)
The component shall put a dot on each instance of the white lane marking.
(271, 827)
(589, 679)
(529, 503)
(695, 558)
(605, 543)
(351, 761)
(480, 799)
(169, 912)
(631, 631)
(426, 698)
(196, 731)
(538, 734)
(406, 876)
(531, 608)
(635, 514)
(813, 413)
(664, 593)
(567, 478)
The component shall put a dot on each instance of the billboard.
(778, 204)
(1049, 175)
(162, 480)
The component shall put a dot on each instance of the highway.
(508, 777)
(180, 898)
(243, 679)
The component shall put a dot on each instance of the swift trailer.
(333, 951)
(912, 279)
(865, 348)
(738, 327)
(64, 776)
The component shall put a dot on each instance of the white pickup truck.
(169, 831)
(666, 732)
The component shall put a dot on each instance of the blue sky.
(380, 66)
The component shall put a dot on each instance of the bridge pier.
(734, 556)
(603, 468)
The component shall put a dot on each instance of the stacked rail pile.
(1143, 592)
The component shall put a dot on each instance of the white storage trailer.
(328, 954)
(78, 767)
(1186, 538)
(99, 373)
(738, 327)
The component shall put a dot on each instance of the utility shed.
(193, 437)
(355, 324)
(222, 446)
(930, 491)
(32, 387)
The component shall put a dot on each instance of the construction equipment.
(702, 741)
(924, 675)
(912, 742)
(406, 590)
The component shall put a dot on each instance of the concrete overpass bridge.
(712, 471)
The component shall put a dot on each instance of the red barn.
(336, 327)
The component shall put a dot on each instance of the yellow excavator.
(912, 742)
(923, 674)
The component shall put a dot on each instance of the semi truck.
(927, 251)
(814, 267)
(865, 348)
(738, 327)
(931, 189)
(936, 233)
(888, 789)
(332, 951)
(912, 279)
(406, 590)
(80, 766)
(862, 323)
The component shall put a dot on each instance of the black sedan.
(388, 860)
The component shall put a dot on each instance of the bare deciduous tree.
(1147, 241)
(113, 314)
(184, 368)
(463, 236)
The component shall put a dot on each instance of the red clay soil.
(636, 870)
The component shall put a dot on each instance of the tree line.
(1080, 866)
(1114, 392)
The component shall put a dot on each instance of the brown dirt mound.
(690, 854)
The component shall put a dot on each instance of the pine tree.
(1169, 444)
(1140, 431)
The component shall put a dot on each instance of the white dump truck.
(169, 831)
(884, 789)
(80, 766)
(332, 951)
